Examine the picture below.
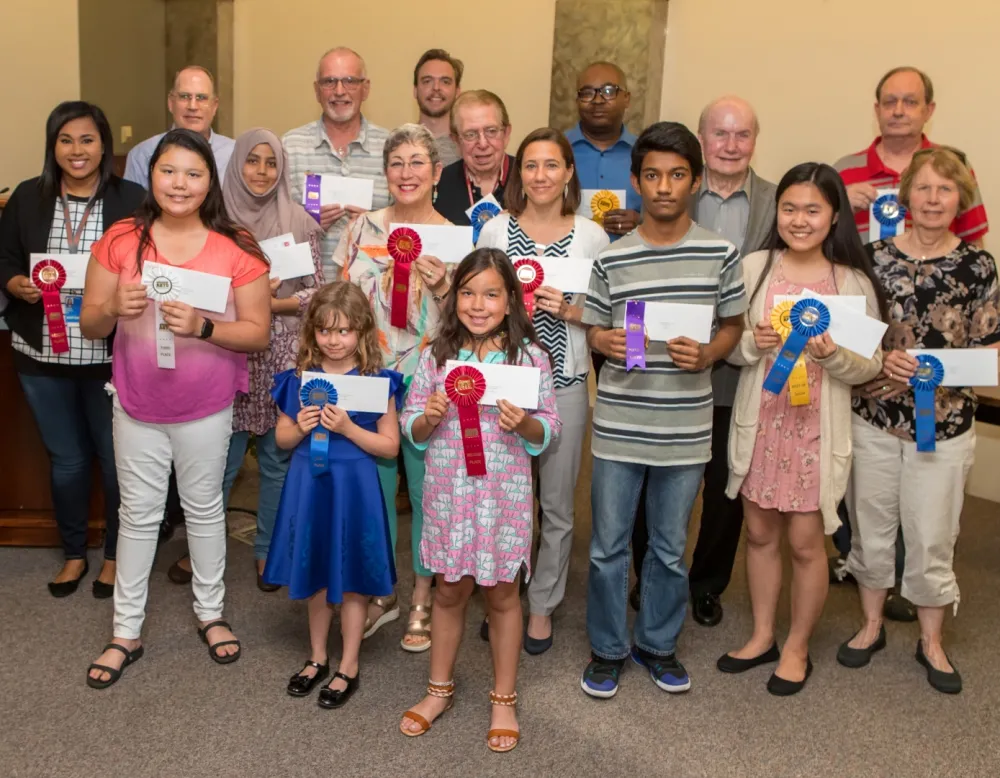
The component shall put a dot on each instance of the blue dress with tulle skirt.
(332, 529)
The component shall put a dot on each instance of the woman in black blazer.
(64, 211)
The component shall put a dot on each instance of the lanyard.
(504, 169)
(73, 236)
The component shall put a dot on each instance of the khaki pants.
(892, 484)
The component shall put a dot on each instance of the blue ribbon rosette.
(929, 375)
(481, 214)
(888, 212)
(808, 318)
(318, 392)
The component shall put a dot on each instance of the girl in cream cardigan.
(790, 463)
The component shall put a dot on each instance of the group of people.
(698, 226)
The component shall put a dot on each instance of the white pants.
(558, 468)
(143, 454)
(891, 484)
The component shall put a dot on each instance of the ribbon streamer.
(318, 392)
(531, 275)
(481, 214)
(929, 376)
(798, 379)
(889, 213)
(50, 276)
(809, 318)
(635, 334)
(602, 203)
(465, 386)
(163, 288)
(404, 247)
(312, 201)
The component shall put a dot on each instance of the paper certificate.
(204, 291)
(449, 243)
(850, 326)
(340, 190)
(75, 266)
(666, 321)
(361, 393)
(964, 366)
(516, 384)
(595, 203)
(567, 274)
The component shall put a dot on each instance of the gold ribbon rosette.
(798, 379)
(602, 203)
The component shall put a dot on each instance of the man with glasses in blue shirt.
(192, 102)
(602, 145)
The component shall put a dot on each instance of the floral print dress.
(784, 472)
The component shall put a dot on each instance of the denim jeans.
(273, 463)
(670, 495)
(74, 419)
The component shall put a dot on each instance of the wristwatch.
(206, 329)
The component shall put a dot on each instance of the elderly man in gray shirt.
(736, 203)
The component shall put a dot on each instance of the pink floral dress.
(784, 470)
(478, 526)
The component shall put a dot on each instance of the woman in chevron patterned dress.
(541, 197)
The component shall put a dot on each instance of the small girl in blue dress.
(331, 537)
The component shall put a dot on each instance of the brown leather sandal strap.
(415, 717)
(503, 733)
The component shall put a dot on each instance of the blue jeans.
(273, 463)
(74, 419)
(670, 495)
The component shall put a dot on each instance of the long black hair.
(212, 211)
(50, 181)
(842, 245)
(516, 327)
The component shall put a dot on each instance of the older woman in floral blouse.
(942, 293)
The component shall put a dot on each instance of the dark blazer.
(24, 230)
(762, 212)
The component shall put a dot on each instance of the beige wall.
(39, 68)
(276, 54)
(810, 69)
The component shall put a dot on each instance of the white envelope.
(567, 274)
(205, 291)
(448, 242)
(666, 321)
(514, 383)
(75, 266)
(857, 302)
(340, 190)
(280, 242)
(587, 195)
(488, 199)
(293, 261)
(850, 326)
(362, 393)
(964, 366)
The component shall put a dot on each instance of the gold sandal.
(508, 700)
(390, 612)
(420, 627)
(443, 690)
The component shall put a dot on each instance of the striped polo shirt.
(662, 415)
(867, 167)
(310, 151)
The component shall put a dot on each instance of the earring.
(434, 193)
(565, 191)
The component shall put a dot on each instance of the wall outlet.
(126, 133)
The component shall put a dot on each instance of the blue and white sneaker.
(600, 679)
(666, 671)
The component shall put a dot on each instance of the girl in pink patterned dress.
(478, 529)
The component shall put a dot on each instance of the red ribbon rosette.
(404, 246)
(50, 276)
(465, 386)
(531, 275)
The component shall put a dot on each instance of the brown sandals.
(443, 690)
(508, 700)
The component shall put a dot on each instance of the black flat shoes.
(782, 687)
(66, 588)
(336, 698)
(947, 683)
(859, 657)
(300, 685)
(730, 664)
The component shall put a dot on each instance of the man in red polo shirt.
(904, 103)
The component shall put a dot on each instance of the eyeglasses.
(350, 83)
(609, 92)
(187, 97)
(928, 151)
(489, 133)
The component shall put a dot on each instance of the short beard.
(434, 114)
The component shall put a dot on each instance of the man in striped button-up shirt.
(341, 142)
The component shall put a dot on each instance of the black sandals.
(226, 658)
(131, 657)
